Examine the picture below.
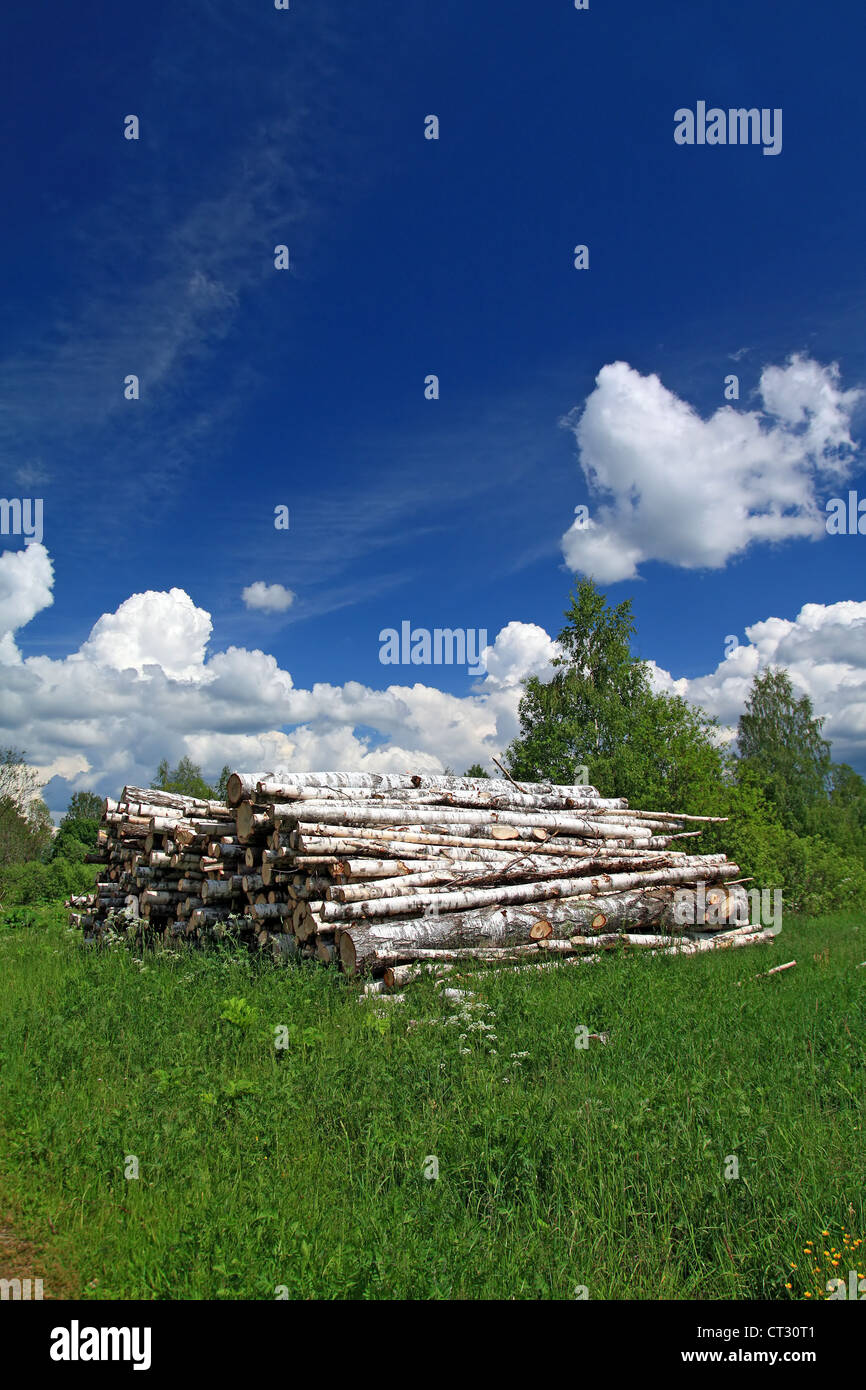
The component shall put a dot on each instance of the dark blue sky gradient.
(409, 257)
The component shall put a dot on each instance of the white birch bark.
(461, 901)
(349, 840)
(402, 940)
(397, 781)
(287, 815)
(523, 870)
(502, 797)
(187, 805)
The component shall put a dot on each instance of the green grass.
(304, 1167)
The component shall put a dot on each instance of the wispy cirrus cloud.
(162, 264)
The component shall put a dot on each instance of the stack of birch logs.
(174, 867)
(376, 872)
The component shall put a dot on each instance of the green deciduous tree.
(83, 806)
(599, 711)
(185, 780)
(18, 781)
(782, 751)
(221, 787)
(25, 821)
(75, 839)
(844, 821)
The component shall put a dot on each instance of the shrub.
(35, 883)
(75, 839)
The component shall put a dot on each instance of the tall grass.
(303, 1169)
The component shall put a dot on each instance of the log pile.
(376, 872)
(173, 868)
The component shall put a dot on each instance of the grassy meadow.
(304, 1171)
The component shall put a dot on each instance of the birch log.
(380, 781)
(485, 875)
(516, 893)
(327, 839)
(445, 819)
(395, 942)
(501, 799)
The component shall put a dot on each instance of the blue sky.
(408, 257)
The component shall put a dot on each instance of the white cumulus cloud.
(519, 650)
(26, 579)
(693, 492)
(823, 650)
(152, 629)
(269, 598)
(143, 686)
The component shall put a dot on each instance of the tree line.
(797, 819)
(39, 865)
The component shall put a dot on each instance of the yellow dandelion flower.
(787, 1286)
(808, 1295)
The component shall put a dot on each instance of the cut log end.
(244, 819)
(540, 930)
(234, 789)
